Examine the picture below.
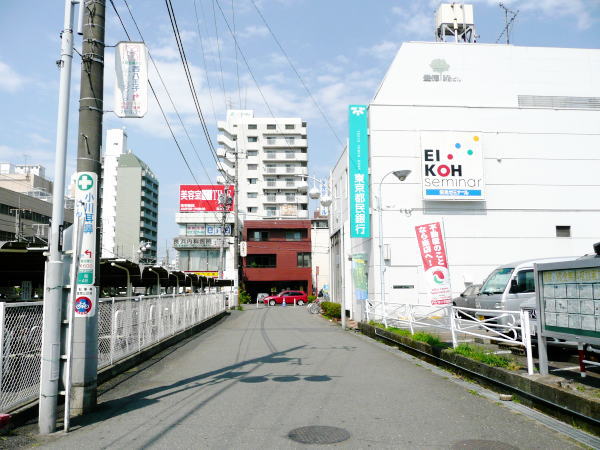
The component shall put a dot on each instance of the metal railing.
(512, 327)
(126, 325)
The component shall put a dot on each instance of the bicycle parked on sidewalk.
(315, 306)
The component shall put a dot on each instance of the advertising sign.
(205, 274)
(452, 166)
(131, 90)
(435, 262)
(203, 229)
(195, 242)
(201, 197)
(358, 167)
(360, 280)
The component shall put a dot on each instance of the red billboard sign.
(435, 262)
(205, 197)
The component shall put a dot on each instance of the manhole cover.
(317, 434)
(481, 444)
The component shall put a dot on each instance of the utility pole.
(89, 144)
(236, 238)
(54, 283)
(223, 202)
(18, 226)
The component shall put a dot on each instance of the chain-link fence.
(21, 344)
(125, 326)
(128, 325)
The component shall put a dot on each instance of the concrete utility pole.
(54, 283)
(236, 238)
(89, 137)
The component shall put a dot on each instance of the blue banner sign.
(358, 169)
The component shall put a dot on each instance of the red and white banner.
(201, 197)
(435, 262)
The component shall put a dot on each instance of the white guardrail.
(512, 327)
(126, 325)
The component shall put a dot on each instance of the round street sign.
(83, 305)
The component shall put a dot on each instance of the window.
(271, 126)
(252, 126)
(293, 235)
(270, 155)
(303, 124)
(252, 180)
(303, 259)
(261, 261)
(258, 236)
(290, 197)
(289, 140)
(523, 282)
(271, 211)
(563, 230)
(252, 209)
(252, 152)
(271, 140)
(252, 166)
(496, 282)
(252, 194)
(252, 139)
(289, 126)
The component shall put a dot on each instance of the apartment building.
(129, 202)
(272, 160)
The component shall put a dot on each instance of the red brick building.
(279, 256)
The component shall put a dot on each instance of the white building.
(319, 239)
(272, 164)
(129, 202)
(529, 120)
(201, 236)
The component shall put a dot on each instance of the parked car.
(288, 296)
(261, 296)
(507, 288)
(468, 296)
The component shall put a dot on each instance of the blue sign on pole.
(358, 169)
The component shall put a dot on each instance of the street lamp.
(326, 200)
(401, 175)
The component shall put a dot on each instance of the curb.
(558, 402)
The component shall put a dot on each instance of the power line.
(237, 70)
(157, 100)
(167, 92)
(297, 73)
(219, 53)
(212, 103)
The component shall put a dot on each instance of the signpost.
(568, 305)
(435, 262)
(86, 196)
(358, 167)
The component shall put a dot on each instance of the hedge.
(331, 309)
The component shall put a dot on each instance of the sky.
(341, 49)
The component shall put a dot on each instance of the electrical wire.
(212, 103)
(219, 53)
(297, 73)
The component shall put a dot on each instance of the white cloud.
(385, 50)
(415, 20)
(253, 31)
(10, 80)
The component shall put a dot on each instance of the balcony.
(285, 198)
(300, 214)
(282, 170)
(285, 156)
(226, 141)
(284, 143)
(283, 184)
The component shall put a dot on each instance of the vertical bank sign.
(201, 197)
(435, 262)
(131, 90)
(358, 169)
(452, 166)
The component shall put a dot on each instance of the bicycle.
(315, 307)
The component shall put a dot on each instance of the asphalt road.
(261, 373)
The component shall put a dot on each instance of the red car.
(289, 296)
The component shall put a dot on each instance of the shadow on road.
(148, 397)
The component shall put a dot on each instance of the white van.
(509, 287)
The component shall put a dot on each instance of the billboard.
(203, 197)
(358, 167)
(435, 262)
(131, 89)
(452, 166)
(288, 210)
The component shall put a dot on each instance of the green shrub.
(332, 310)
(311, 298)
(420, 336)
(243, 297)
(480, 354)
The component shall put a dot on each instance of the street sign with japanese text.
(131, 90)
(435, 262)
(358, 171)
(86, 208)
